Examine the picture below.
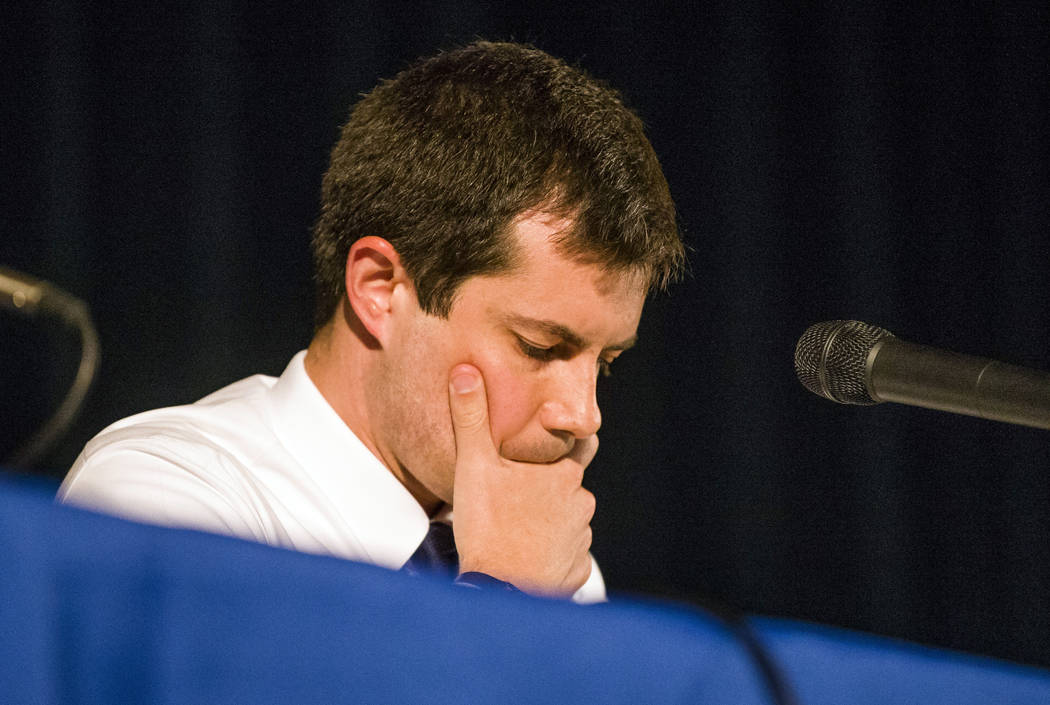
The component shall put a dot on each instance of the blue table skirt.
(98, 610)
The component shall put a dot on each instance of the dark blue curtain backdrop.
(888, 164)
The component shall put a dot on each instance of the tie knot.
(437, 554)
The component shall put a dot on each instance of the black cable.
(772, 675)
(738, 623)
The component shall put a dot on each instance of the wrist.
(484, 581)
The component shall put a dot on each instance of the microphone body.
(919, 375)
(855, 363)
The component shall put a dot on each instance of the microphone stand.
(28, 297)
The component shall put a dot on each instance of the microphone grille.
(831, 357)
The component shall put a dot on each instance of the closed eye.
(537, 352)
(542, 354)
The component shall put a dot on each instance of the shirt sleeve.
(594, 589)
(146, 484)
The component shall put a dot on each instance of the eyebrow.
(566, 334)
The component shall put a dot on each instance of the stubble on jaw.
(410, 405)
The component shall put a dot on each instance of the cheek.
(513, 400)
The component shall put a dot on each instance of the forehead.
(545, 284)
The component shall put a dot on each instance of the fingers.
(584, 449)
(470, 414)
(569, 470)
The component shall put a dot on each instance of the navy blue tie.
(437, 554)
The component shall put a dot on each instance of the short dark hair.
(441, 159)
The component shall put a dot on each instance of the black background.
(887, 163)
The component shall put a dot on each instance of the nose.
(572, 403)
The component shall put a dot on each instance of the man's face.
(540, 334)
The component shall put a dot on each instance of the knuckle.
(588, 505)
(572, 474)
(581, 570)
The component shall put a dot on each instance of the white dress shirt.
(265, 459)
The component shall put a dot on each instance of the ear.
(373, 273)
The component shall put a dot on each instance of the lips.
(538, 461)
(545, 454)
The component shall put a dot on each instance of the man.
(492, 221)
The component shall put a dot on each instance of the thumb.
(470, 413)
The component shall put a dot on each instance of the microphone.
(850, 362)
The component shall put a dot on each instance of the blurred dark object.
(35, 298)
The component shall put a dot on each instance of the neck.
(339, 362)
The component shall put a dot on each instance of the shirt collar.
(373, 504)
